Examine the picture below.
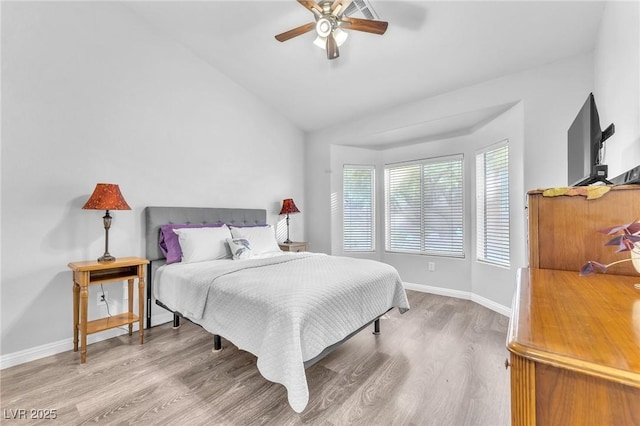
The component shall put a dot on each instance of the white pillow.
(240, 248)
(200, 244)
(262, 238)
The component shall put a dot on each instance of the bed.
(288, 309)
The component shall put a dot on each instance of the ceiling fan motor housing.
(324, 26)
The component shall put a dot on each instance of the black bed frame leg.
(176, 321)
(376, 327)
(217, 343)
(149, 294)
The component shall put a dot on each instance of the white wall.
(91, 94)
(617, 83)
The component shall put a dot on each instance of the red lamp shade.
(106, 196)
(288, 206)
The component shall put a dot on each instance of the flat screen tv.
(586, 146)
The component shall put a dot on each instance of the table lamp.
(288, 207)
(106, 196)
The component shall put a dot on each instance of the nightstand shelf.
(87, 273)
(296, 246)
(111, 322)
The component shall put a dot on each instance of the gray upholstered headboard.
(155, 217)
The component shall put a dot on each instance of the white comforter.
(284, 309)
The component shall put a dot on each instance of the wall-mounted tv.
(586, 146)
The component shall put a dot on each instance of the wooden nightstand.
(86, 273)
(293, 246)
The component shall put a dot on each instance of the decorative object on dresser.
(575, 352)
(106, 196)
(288, 207)
(628, 240)
(296, 246)
(91, 272)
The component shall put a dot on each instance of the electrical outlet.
(432, 266)
(102, 298)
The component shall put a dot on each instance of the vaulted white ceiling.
(430, 47)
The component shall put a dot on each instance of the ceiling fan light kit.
(339, 35)
(330, 21)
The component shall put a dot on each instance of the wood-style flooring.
(441, 363)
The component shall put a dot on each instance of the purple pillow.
(169, 244)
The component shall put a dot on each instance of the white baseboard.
(38, 352)
(32, 354)
(490, 304)
(458, 294)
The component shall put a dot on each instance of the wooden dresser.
(575, 341)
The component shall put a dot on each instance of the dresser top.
(587, 324)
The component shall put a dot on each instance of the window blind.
(492, 215)
(403, 188)
(424, 207)
(443, 209)
(358, 212)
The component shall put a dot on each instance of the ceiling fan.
(329, 24)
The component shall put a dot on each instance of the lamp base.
(106, 258)
(287, 241)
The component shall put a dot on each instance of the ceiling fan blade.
(332, 47)
(339, 6)
(302, 29)
(312, 6)
(366, 25)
